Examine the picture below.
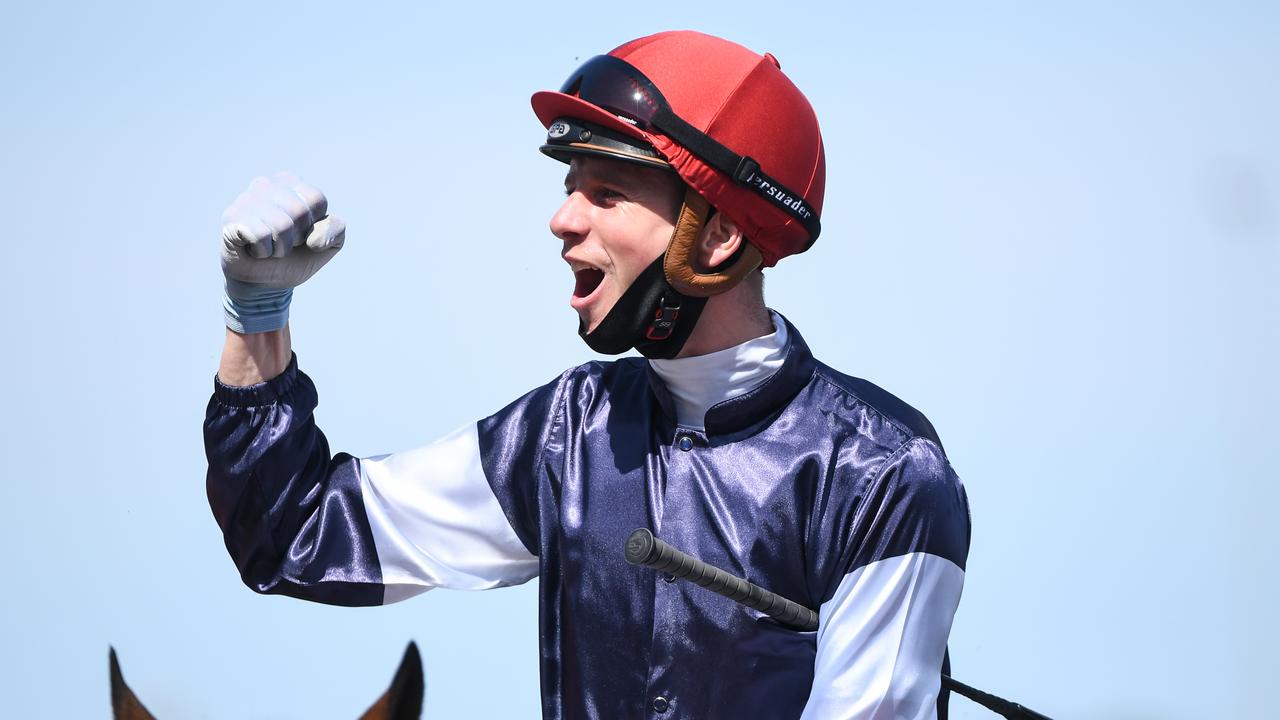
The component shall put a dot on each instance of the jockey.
(692, 164)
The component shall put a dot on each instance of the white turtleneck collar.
(696, 383)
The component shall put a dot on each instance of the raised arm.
(296, 518)
(300, 520)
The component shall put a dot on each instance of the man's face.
(617, 219)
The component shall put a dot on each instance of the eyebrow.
(602, 172)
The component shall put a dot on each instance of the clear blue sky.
(1080, 200)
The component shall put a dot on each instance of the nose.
(570, 222)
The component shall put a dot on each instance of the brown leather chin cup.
(680, 263)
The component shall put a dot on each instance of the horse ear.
(403, 700)
(124, 703)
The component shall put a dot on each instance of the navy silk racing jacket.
(818, 486)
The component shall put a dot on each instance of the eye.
(604, 195)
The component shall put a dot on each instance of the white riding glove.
(274, 236)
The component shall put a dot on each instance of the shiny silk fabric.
(793, 485)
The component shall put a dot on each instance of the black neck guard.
(651, 316)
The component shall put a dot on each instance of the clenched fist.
(275, 236)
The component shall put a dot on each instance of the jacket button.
(660, 704)
(685, 443)
(669, 577)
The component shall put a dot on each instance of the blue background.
(1057, 223)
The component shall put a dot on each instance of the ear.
(403, 700)
(719, 240)
(124, 704)
(707, 256)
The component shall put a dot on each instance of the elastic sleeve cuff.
(269, 392)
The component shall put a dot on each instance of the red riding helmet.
(727, 120)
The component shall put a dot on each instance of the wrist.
(252, 308)
(252, 359)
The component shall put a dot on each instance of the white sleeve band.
(436, 522)
(881, 640)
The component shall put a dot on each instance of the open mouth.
(588, 279)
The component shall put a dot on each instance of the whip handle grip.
(643, 548)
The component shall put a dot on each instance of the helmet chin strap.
(655, 317)
(650, 317)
